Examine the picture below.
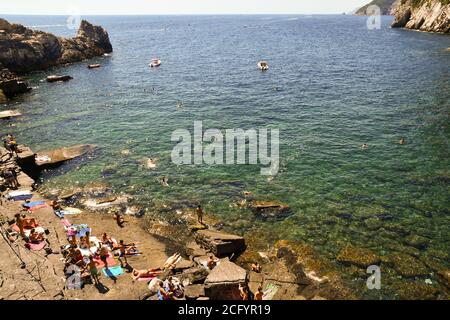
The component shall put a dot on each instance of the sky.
(94, 7)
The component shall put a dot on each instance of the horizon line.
(176, 14)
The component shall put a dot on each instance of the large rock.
(384, 5)
(220, 243)
(23, 49)
(406, 265)
(58, 156)
(359, 257)
(424, 15)
(9, 113)
(223, 281)
(194, 291)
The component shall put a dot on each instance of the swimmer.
(364, 146)
(402, 141)
(165, 181)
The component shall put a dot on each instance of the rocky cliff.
(23, 50)
(385, 7)
(423, 15)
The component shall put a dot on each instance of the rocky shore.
(384, 5)
(423, 15)
(23, 50)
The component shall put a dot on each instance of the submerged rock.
(58, 156)
(357, 256)
(270, 210)
(416, 241)
(406, 265)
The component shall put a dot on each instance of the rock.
(10, 84)
(424, 15)
(373, 224)
(194, 291)
(445, 277)
(220, 243)
(223, 281)
(3, 98)
(270, 210)
(406, 265)
(55, 78)
(58, 156)
(415, 290)
(417, 241)
(357, 256)
(24, 50)
(194, 275)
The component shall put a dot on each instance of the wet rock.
(415, 290)
(357, 256)
(270, 210)
(58, 156)
(406, 265)
(223, 281)
(3, 98)
(417, 241)
(194, 291)
(220, 243)
(11, 84)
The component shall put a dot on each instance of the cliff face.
(23, 50)
(424, 15)
(385, 7)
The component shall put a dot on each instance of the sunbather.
(107, 240)
(104, 254)
(35, 237)
(212, 262)
(149, 273)
(172, 261)
(119, 219)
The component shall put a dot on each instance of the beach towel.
(33, 204)
(270, 291)
(70, 210)
(67, 224)
(146, 279)
(37, 207)
(113, 271)
(35, 246)
(20, 195)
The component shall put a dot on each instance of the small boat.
(263, 65)
(9, 114)
(94, 66)
(58, 78)
(155, 63)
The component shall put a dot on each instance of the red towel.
(35, 246)
(99, 263)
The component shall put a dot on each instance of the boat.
(93, 66)
(263, 65)
(58, 78)
(9, 114)
(155, 63)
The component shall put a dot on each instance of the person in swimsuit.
(259, 294)
(104, 253)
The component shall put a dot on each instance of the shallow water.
(332, 86)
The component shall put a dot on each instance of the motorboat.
(263, 65)
(155, 63)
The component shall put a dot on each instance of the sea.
(333, 84)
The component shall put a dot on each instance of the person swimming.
(402, 141)
(364, 146)
(165, 181)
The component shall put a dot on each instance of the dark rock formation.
(220, 243)
(423, 15)
(23, 50)
(384, 5)
(11, 84)
(357, 256)
(270, 210)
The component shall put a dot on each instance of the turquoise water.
(332, 86)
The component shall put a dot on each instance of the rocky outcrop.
(357, 256)
(423, 15)
(384, 5)
(220, 243)
(23, 50)
(11, 84)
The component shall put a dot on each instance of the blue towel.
(33, 204)
(112, 271)
(22, 197)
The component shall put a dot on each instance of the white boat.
(155, 63)
(263, 65)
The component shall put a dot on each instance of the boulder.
(194, 291)
(220, 243)
(3, 98)
(444, 276)
(270, 210)
(10, 84)
(359, 257)
(223, 281)
(416, 241)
